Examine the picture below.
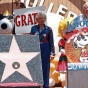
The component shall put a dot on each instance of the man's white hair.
(39, 14)
(86, 4)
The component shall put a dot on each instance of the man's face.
(85, 10)
(41, 19)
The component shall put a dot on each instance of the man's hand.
(52, 57)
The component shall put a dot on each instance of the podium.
(77, 54)
(77, 75)
(20, 61)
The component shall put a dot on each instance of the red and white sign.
(25, 18)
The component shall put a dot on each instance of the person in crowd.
(81, 21)
(46, 44)
(84, 15)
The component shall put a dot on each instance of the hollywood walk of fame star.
(16, 60)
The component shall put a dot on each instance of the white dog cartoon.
(81, 41)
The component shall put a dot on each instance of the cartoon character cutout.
(76, 46)
(62, 63)
(62, 30)
(81, 41)
(6, 24)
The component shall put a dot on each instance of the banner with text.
(25, 18)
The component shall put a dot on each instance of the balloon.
(52, 67)
(53, 73)
(55, 76)
(55, 61)
(63, 83)
(51, 82)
